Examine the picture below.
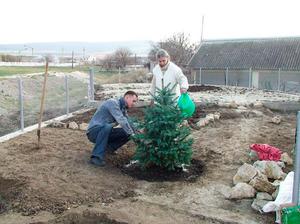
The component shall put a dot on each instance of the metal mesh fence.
(274, 80)
(9, 106)
(65, 93)
(21, 99)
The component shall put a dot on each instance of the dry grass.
(134, 76)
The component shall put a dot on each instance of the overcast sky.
(24, 21)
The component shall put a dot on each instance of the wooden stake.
(42, 104)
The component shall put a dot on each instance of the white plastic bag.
(284, 196)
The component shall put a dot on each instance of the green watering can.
(186, 105)
(290, 215)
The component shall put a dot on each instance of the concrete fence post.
(226, 77)
(295, 198)
(250, 77)
(67, 94)
(91, 84)
(200, 76)
(21, 103)
(278, 82)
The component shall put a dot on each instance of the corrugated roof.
(266, 54)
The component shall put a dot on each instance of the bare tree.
(179, 46)
(108, 62)
(122, 57)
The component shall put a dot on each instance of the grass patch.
(104, 77)
(14, 70)
(100, 75)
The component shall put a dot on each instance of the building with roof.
(269, 63)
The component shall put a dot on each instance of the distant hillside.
(79, 48)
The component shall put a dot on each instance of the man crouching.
(101, 132)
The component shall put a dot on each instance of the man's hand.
(182, 90)
(139, 131)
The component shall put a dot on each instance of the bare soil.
(56, 184)
(154, 173)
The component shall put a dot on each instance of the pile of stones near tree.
(239, 109)
(259, 181)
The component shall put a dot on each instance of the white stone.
(258, 204)
(217, 115)
(286, 158)
(261, 184)
(83, 126)
(264, 196)
(244, 174)
(276, 120)
(73, 125)
(210, 117)
(242, 190)
(258, 104)
(270, 168)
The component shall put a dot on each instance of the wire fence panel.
(268, 80)
(78, 92)
(238, 78)
(290, 81)
(20, 99)
(9, 106)
(32, 91)
(55, 97)
(213, 77)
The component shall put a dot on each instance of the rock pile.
(259, 181)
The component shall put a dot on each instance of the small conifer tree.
(164, 142)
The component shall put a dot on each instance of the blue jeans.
(106, 137)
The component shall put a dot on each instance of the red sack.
(266, 152)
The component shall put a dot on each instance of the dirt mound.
(9, 191)
(86, 218)
(202, 88)
(155, 173)
(57, 176)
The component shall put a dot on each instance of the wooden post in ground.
(42, 105)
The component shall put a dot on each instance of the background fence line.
(275, 80)
(280, 81)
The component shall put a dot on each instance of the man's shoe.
(97, 162)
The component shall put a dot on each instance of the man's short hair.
(162, 53)
(130, 92)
